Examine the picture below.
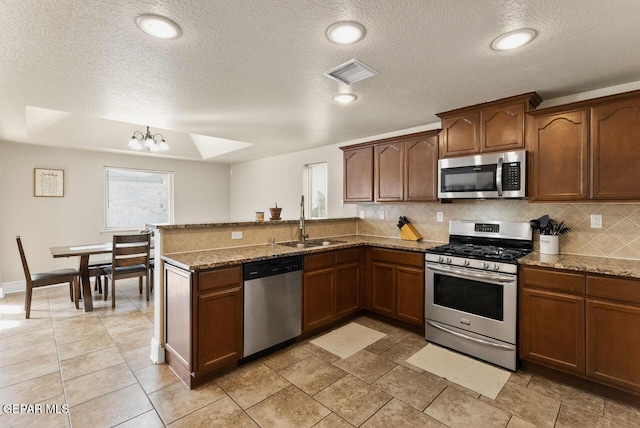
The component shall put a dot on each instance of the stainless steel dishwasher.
(272, 303)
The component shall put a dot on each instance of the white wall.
(201, 194)
(258, 185)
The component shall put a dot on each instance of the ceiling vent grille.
(350, 72)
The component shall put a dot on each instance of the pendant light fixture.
(151, 143)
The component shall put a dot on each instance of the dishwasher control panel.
(271, 267)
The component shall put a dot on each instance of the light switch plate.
(596, 221)
(236, 235)
(381, 214)
(439, 217)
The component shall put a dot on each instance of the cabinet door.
(389, 172)
(561, 156)
(178, 314)
(552, 330)
(461, 135)
(421, 169)
(383, 290)
(615, 145)
(347, 289)
(219, 328)
(318, 298)
(358, 175)
(613, 343)
(410, 295)
(502, 128)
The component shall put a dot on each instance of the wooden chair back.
(131, 250)
(25, 266)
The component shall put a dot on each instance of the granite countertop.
(208, 259)
(588, 264)
(167, 226)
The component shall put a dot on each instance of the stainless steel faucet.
(303, 235)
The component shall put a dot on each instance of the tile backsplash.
(619, 236)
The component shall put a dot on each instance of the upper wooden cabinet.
(358, 174)
(615, 147)
(586, 150)
(489, 127)
(401, 169)
(560, 156)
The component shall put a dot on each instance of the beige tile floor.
(97, 363)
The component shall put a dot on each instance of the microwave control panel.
(511, 176)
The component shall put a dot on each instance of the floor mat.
(347, 340)
(481, 377)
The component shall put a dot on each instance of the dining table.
(84, 252)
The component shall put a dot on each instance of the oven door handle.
(472, 339)
(465, 275)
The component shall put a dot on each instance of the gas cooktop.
(481, 252)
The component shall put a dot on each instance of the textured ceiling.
(79, 73)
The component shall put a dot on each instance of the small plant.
(549, 226)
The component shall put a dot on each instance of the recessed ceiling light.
(345, 32)
(513, 39)
(158, 26)
(345, 98)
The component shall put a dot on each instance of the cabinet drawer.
(626, 289)
(348, 255)
(397, 257)
(319, 261)
(551, 279)
(219, 278)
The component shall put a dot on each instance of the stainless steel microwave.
(492, 175)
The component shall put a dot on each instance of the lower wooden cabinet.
(203, 315)
(588, 325)
(330, 287)
(397, 284)
(552, 329)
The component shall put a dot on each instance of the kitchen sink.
(312, 243)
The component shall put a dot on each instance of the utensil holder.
(549, 244)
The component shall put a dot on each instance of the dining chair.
(41, 279)
(129, 259)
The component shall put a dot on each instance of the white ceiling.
(80, 74)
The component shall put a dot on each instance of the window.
(317, 189)
(134, 198)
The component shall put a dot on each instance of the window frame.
(308, 190)
(114, 230)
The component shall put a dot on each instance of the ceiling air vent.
(350, 72)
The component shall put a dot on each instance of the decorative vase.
(275, 213)
(549, 244)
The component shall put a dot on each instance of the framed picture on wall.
(48, 183)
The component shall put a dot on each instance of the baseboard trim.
(157, 352)
(12, 287)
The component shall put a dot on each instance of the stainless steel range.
(471, 287)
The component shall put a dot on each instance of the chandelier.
(148, 142)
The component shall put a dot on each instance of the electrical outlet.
(439, 217)
(381, 214)
(596, 221)
(362, 214)
(236, 235)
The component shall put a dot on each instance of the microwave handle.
(499, 176)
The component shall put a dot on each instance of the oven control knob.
(440, 259)
(496, 266)
(466, 262)
(485, 265)
(449, 260)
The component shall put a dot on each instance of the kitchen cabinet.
(589, 150)
(613, 331)
(203, 321)
(358, 174)
(560, 156)
(396, 279)
(330, 287)
(615, 146)
(584, 324)
(404, 168)
(495, 126)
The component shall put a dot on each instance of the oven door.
(484, 303)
